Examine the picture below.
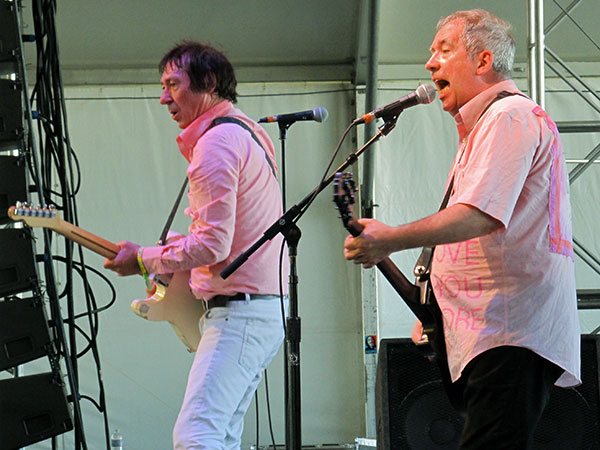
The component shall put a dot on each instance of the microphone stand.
(287, 227)
(283, 127)
(292, 327)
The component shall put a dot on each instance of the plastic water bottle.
(116, 441)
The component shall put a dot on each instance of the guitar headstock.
(344, 190)
(35, 216)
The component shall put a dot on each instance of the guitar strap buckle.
(422, 274)
(424, 286)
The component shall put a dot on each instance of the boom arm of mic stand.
(291, 214)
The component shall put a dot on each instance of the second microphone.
(319, 114)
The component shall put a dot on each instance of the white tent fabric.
(131, 171)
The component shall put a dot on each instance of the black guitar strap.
(229, 119)
(423, 264)
(163, 236)
(422, 272)
(217, 121)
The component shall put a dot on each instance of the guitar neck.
(399, 282)
(88, 240)
(409, 292)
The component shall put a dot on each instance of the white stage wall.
(131, 171)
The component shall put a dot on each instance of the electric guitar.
(172, 300)
(420, 299)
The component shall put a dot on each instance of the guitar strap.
(217, 121)
(423, 264)
(422, 271)
(229, 119)
(163, 236)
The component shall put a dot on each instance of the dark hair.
(207, 68)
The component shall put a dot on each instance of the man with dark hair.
(206, 67)
(233, 197)
(503, 265)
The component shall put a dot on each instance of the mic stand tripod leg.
(293, 435)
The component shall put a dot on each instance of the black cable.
(257, 426)
(40, 31)
(320, 186)
(269, 410)
(56, 175)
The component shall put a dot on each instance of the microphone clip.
(389, 123)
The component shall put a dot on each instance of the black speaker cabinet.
(571, 419)
(17, 261)
(9, 30)
(13, 184)
(413, 412)
(24, 333)
(33, 408)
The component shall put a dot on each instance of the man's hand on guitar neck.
(125, 263)
(371, 246)
(456, 223)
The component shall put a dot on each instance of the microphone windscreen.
(320, 114)
(426, 93)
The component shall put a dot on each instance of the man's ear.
(210, 80)
(485, 62)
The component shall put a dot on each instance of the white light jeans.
(238, 343)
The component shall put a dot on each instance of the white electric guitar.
(172, 300)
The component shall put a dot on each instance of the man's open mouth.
(442, 85)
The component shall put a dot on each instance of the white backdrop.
(412, 164)
(131, 172)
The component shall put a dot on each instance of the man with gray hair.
(503, 265)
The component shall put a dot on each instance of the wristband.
(143, 268)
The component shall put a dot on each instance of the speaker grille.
(570, 420)
(414, 413)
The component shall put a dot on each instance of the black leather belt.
(222, 300)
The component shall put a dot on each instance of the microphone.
(318, 114)
(423, 94)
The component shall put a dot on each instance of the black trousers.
(505, 391)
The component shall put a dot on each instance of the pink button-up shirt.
(234, 197)
(515, 286)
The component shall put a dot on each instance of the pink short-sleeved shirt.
(234, 197)
(515, 286)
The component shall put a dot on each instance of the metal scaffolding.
(540, 56)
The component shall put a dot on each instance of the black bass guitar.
(419, 298)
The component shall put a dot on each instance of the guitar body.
(174, 303)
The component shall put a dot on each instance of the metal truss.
(540, 56)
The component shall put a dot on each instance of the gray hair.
(486, 31)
